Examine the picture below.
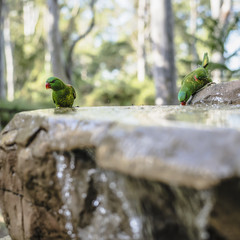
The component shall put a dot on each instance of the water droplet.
(91, 171)
(67, 213)
(102, 210)
(67, 194)
(95, 203)
(119, 194)
(134, 223)
(84, 195)
(59, 174)
(112, 185)
(103, 177)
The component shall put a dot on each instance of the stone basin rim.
(155, 115)
(175, 152)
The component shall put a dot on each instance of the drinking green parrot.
(194, 81)
(63, 95)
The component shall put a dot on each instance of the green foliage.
(123, 92)
(112, 55)
(9, 109)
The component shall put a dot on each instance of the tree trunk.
(163, 51)
(141, 40)
(193, 31)
(9, 59)
(54, 40)
(69, 62)
(220, 13)
(30, 17)
(2, 63)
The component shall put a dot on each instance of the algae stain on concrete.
(215, 116)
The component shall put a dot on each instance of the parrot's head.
(182, 97)
(54, 83)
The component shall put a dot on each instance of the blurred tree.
(163, 51)
(111, 56)
(2, 63)
(69, 62)
(8, 56)
(141, 51)
(220, 12)
(54, 40)
(193, 32)
(62, 64)
(103, 67)
(30, 18)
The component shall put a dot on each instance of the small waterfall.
(193, 209)
(100, 204)
(65, 179)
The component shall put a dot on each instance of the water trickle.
(100, 204)
(202, 217)
(130, 204)
(72, 160)
(193, 208)
(65, 180)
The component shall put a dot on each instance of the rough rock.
(221, 93)
(122, 173)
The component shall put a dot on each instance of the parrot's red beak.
(48, 85)
(183, 103)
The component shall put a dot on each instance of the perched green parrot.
(63, 95)
(194, 81)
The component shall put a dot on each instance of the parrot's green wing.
(201, 74)
(72, 90)
(74, 93)
(53, 98)
(186, 78)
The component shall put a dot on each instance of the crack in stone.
(22, 217)
(4, 150)
(34, 135)
(10, 191)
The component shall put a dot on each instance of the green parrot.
(194, 81)
(63, 95)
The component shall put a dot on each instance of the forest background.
(128, 52)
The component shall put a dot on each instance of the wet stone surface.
(122, 173)
(221, 93)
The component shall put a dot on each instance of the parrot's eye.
(53, 81)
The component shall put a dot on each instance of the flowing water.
(104, 205)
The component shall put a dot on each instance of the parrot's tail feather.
(205, 60)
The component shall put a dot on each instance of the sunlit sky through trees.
(104, 63)
(113, 31)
